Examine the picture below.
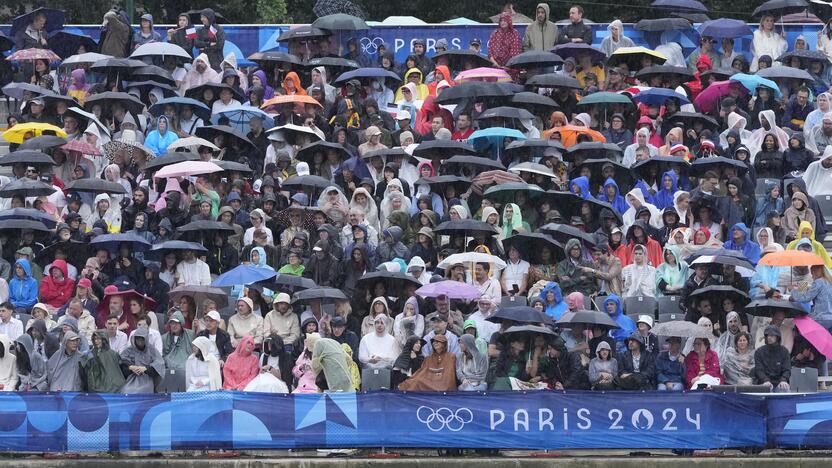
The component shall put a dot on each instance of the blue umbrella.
(200, 110)
(657, 96)
(112, 242)
(493, 138)
(240, 116)
(687, 5)
(752, 82)
(367, 73)
(243, 274)
(54, 20)
(724, 27)
(30, 214)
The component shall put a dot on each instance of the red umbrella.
(33, 54)
(81, 147)
(815, 334)
(708, 99)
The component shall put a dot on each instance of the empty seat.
(174, 381)
(375, 379)
(762, 184)
(804, 380)
(24, 318)
(513, 301)
(669, 305)
(825, 202)
(640, 305)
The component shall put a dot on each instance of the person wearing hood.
(176, 346)
(644, 138)
(815, 117)
(179, 36)
(767, 41)
(101, 366)
(145, 34)
(31, 365)
(8, 365)
(378, 349)
(418, 92)
(408, 362)
(200, 73)
(553, 304)
(664, 198)
(107, 211)
(141, 364)
(726, 340)
(245, 322)
(210, 38)
(202, 369)
(639, 276)
(613, 308)
(636, 367)
(505, 42)
(771, 203)
(63, 370)
(45, 343)
(541, 35)
(572, 272)
(768, 161)
(559, 368)
(56, 289)
(795, 215)
(23, 288)
(640, 234)
(612, 195)
(819, 294)
(635, 200)
(580, 187)
(603, 368)
(615, 38)
(438, 370)
(472, 366)
(741, 241)
(391, 246)
(797, 157)
(242, 365)
(772, 363)
(671, 274)
(818, 174)
(355, 53)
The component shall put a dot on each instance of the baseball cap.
(338, 321)
(476, 41)
(214, 315)
(402, 115)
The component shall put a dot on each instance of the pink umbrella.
(484, 74)
(33, 54)
(81, 147)
(815, 334)
(187, 168)
(710, 96)
(452, 289)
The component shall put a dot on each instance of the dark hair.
(803, 89)
(580, 8)
(711, 175)
(741, 334)
(485, 266)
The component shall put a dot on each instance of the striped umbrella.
(33, 54)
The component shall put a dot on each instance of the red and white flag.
(190, 32)
(212, 31)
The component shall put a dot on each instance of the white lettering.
(398, 44)
(615, 416)
(494, 420)
(431, 45)
(545, 417)
(456, 43)
(669, 416)
(583, 415)
(521, 418)
(693, 419)
(565, 419)
(412, 42)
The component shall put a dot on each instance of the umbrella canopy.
(451, 289)
(803, 55)
(367, 73)
(692, 119)
(752, 82)
(587, 317)
(533, 101)
(717, 163)
(442, 149)
(290, 99)
(199, 294)
(307, 153)
(578, 49)
(439, 183)
(188, 143)
(505, 193)
(267, 60)
(79, 146)
(663, 24)
(171, 157)
(208, 132)
(243, 274)
(563, 232)
(76, 252)
(200, 109)
(496, 132)
(95, 186)
(707, 100)
(532, 244)
(635, 57)
(19, 132)
(525, 330)
(306, 181)
(337, 64)
(305, 213)
(724, 28)
(520, 314)
(161, 49)
(239, 117)
(682, 73)
(682, 329)
(66, 44)
(54, 20)
(85, 58)
(719, 292)
(769, 307)
(534, 59)
(108, 99)
(553, 80)
(205, 225)
(505, 112)
(286, 282)
(778, 8)
(569, 135)
(27, 224)
(121, 66)
(785, 73)
(533, 168)
(469, 165)
(216, 88)
(535, 147)
(17, 90)
(395, 283)
(26, 188)
(685, 5)
(467, 227)
(658, 96)
(605, 98)
(152, 73)
(187, 169)
(33, 54)
(721, 74)
(232, 166)
(492, 75)
(743, 266)
(476, 90)
(302, 33)
(593, 149)
(159, 251)
(791, 258)
(641, 168)
(322, 294)
(815, 334)
(468, 259)
(28, 214)
(28, 157)
(113, 242)
(462, 59)
(340, 21)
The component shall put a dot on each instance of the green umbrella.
(605, 98)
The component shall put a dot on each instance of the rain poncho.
(241, 366)
(63, 371)
(556, 309)
(23, 292)
(516, 222)
(755, 142)
(205, 370)
(766, 43)
(738, 368)
(609, 45)
(473, 364)
(817, 177)
(147, 357)
(580, 187)
(329, 356)
(437, 373)
(355, 372)
(33, 376)
(817, 247)
(671, 275)
(726, 339)
(628, 327)
(504, 43)
(176, 351)
(630, 214)
(664, 198)
(8, 364)
(158, 140)
(617, 200)
(102, 367)
(748, 247)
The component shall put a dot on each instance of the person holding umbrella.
(116, 34)
(33, 35)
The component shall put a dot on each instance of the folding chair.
(640, 305)
(375, 379)
(670, 306)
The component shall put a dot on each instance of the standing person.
(210, 39)
(576, 30)
(145, 34)
(184, 34)
(541, 35)
(116, 34)
(616, 38)
(767, 42)
(33, 35)
(504, 42)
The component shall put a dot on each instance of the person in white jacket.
(767, 42)
(639, 276)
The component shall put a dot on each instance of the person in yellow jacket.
(806, 231)
(414, 75)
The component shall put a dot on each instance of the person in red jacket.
(56, 289)
(701, 361)
(638, 234)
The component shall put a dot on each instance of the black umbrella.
(113, 242)
(307, 153)
(718, 293)
(778, 8)
(26, 188)
(199, 294)
(663, 24)
(520, 314)
(534, 147)
(205, 226)
(26, 224)
(194, 16)
(216, 88)
(820, 8)
(803, 55)
(462, 59)
(17, 90)
(443, 149)
(317, 182)
(152, 73)
(95, 186)
(553, 80)
(439, 183)
(145, 87)
(121, 66)
(266, 60)
(533, 101)
(691, 119)
(338, 64)
(467, 227)
(289, 283)
(505, 112)
(720, 74)
(718, 164)
(682, 73)
(5, 43)
(208, 132)
(662, 163)
(531, 244)
(587, 317)
(322, 294)
(54, 20)
(476, 90)
(232, 166)
(469, 166)
(28, 157)
(785, 73)
(768, 307)
(594, 150)
(534, 59)
(387, 153)
(108, 99)
(563, 232)
(395, 283)
(28, 214)
(340, 22)
(76, 252)
(41, 143)
(66, 44)
(159, 251)
(302, 33)
(51, 100)
(570, 205)
(526, 331)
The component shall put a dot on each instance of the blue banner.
(51, 422)
(804, 422)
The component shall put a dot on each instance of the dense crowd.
(174, 222)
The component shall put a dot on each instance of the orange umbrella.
(290, 99)
(569, 134)
(791, 258)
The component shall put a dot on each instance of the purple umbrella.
(710, 96)
(452, 289)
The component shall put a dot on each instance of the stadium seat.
(23, 318)
(513, 301)
(639, 305)
(804, 380)
(160, 322)
(375, 379)
(173, 382)
(760, 189)
(825, 202)
(669, 306)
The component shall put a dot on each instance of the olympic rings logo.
(444, 418)
(370, 46)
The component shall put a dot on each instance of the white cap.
(282, 297)
(646, 319)
(214, 315)
(402, 114)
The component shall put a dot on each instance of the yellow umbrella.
(633, 56)
(19, 133)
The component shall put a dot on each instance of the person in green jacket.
(541, 35)
(101, 366)
(176, 348)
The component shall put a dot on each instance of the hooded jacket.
(646, 370)
(748, 247)
(582, 189)
(31, 366)
(101, 367)
(797, 159)
(570, 275)
(769, 163)
(23, 292)
(626, 324)
(210, 39)
(630, 214)
(608, 45)
(566, 369)
(422, 90)
(804, 228)
(664, 198)
(116, 34)
(180, 35)
(793, 217)
(557, 309)
(598, 365)
(540, 36)
(158, 140)
(772, 362)
(141, 38)
(617, 201)
(56, 293)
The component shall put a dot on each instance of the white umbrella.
(288, 128)
(80, 59)
(533, 168)
(709, 260)
(190, 142)
(92, 118)
(470, 258)
(160, 49)
(682, 329)
(187, 168)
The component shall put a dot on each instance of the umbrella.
(768, 307)
(682, 73)
(719, 292)
(159, 251)
(605, 98)
(28, 157)
(292, 132)
(493, 136)
(240, 116)
(484, 74)
(563, 232)
(717, 163)
(528, 99)
(682, 329)
(641, 168)
(18, 133)
(531, 244)
(33, 54)
(66, 44)
(54, 20)
(26, 224)
(232, 166)
(302, 33)
(553, 80)
(686, 5)
(194, 16)
(743, 266)
(791, 258)
(338, 64)
(290, 99)
(28, 214)
(340, 22)
(785, 73)
(122, 66)
(469, 166)
(86, 58)
(526, 330)
(533, 168)
(587, 317)
(187, 169)
(17, 90)
(707, 100)
(451, 289)
(394, 282)
(467, 227)
(78, 146)
(209, 132)
(594, 149)
(691, 119)
(569, 135)
(724, 28)
(367, 73)
(95, 186)
(578, 49)
(287, 282)
(534, 147)
(107, 99)
(171, 157)
(307, 181)
(534, 59)
(204, 225)
(199, 294)
(778, 8)
(663, 24)
(26, 188)
(200, 109)
(441, 182)
(442, 149)
(76, 251)
(505, 112)
(113, 242)
(752, 82)
(190, 142)
(634, 56)
(473, 91)
(622, 174)
(161, 49)
(520, 314)
(816, 334)
(152, 73)
(267, 60)
(321, 294)
(199, 91)
(469, 259)
(658, 96)
(463, 59)
(486, 179)
(721, 74)
(803, 55)
(243, 274)
(87, 117)
(145, 87)
(505, 193)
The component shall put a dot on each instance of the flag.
(190, 32)
(212, 31)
